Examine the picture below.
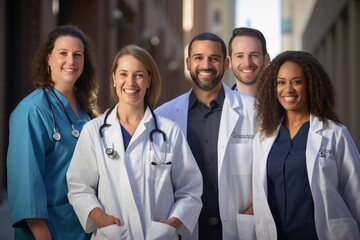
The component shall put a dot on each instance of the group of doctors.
(132, 174)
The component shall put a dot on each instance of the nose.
(131, 79)
(248, 60)
(206, 63)
(70, 58)
(289, 87)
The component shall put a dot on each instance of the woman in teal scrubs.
(43, 132)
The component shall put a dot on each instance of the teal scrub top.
(37, 165)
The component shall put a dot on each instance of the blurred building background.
(327, 28)
(330, 30)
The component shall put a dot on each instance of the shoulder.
(95, 123)
(235, 97)
(172, 104)
(32, 103)
(167, 125)
(246, 98)
(166, 122)
(332, 130)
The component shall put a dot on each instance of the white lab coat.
(333, 167)
(237, 129)
(129, 186)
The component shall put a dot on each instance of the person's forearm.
(173, 221)
(39, 228)
(101, 219)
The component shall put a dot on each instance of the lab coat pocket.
(113, 232)
(245, 226)
(161, 231)
(344, 228)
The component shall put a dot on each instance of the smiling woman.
(46, 123)
(300, 150)
(158, 200)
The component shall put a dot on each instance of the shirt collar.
(219, 100)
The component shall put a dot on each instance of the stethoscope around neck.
(112, 153)
(56, 135)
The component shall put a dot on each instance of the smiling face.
(247, 59)
(66, 61)
(206, 64)
(131, 80)
(291, 88)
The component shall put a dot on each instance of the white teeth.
(130, 90)
(289, 99)
(69, 69)
(247, 71)
(205, 73)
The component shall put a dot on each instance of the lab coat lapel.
(313, 145)
(229, 118)
(113, 136)
(264, 151)
(181, 111)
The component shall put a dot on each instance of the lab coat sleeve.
(82, 179)
(26, 166)
(187, 184)
(348, 161)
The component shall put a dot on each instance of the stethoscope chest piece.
(56, 136)
(110, 152)
(75, 133)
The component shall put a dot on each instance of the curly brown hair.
(320, 90)
(86, 85)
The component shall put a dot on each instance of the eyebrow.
(202, 54)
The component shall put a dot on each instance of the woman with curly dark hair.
(306, 164)
(46, 125)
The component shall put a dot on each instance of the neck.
(296, 119)
(205, 97)
(68, 93)
(129, 114)
(247, 89)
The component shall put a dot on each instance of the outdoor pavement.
(6, 231)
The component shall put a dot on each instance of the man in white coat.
(219, 126)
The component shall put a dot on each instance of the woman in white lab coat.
(133, 175)
(306, 170)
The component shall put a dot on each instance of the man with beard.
(219, 126)
(248, 56)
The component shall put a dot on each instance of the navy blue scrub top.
(289, 194)
(126, 136)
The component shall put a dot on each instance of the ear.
(230, 66)
(226, 63)
(48, 59)
(113, 79)
(188, 63)
(267, 59)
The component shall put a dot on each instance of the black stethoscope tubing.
(111, 153)
(56, 135)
